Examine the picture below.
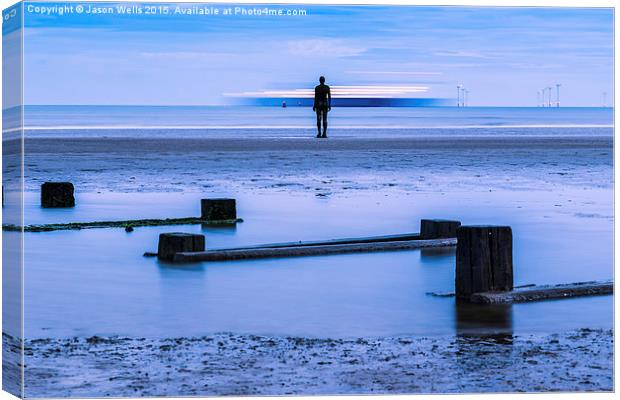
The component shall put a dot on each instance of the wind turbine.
(557, 94)
(458, 95)
(549, 88)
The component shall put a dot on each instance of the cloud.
(415, 73)
(324, 48)
(185, 55)
(471, 54)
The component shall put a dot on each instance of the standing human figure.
(322, 105)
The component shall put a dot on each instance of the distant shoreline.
(278, 106)
(240, 127)
(188, 145)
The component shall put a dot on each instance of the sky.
(502, 56)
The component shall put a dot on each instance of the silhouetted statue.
(322, 105)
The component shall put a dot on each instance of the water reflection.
(219, 229)
(484, 321)
(484, 337)
(433, 253)
(165, 266)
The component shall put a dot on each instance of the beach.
(340, 165)
(243, 365)
(305, 326)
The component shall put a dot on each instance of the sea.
(244, 121)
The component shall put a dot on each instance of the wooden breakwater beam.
(134, 223)
(175, 242)
(359, 240)
(369, 239)
(545, 292)
(314, 250)
(213, 215)
(407, 241)
(57, 195)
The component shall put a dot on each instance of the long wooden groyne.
(187, 247)
(368, 239)
(130, 223)
(60, 195)
(531, 292)
(545, 292)
(269, 251)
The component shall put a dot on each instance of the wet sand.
(338, 165)
(227, 364)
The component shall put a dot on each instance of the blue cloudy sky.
(504, 56)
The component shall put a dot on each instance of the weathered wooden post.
(483, 260)
(438, 228)
(176, 242)
(218, 209)
(57, 195)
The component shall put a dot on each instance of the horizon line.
(288, 106)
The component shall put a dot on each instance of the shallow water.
(97, 281)
(168, 121)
